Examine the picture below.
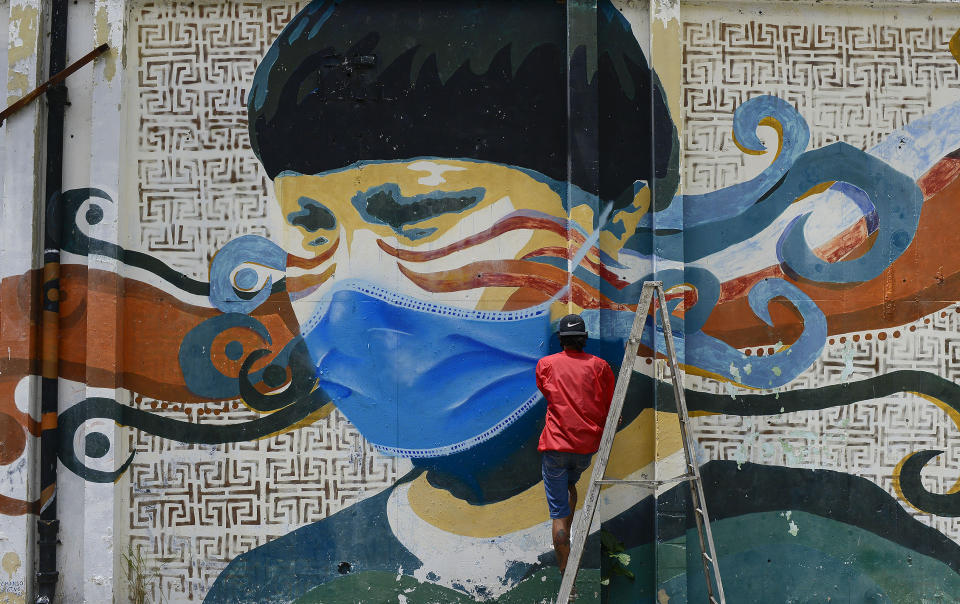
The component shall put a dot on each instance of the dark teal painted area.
(833, 395)
(762, 562)
(780, 573)
(540, 587)
(385, 204)
(868, 551)
(289, 567)
(312, 216)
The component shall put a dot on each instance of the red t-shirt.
(578, 388)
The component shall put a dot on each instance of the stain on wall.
(21, 48)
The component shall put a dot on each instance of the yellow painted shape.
(766, 121)
(17, 81)
(668, 65)
(632, 450)
(955, 418)
(317, 415)
(820, 188)
(11, 563)
(583, 216)
(612, 244)
(23, 19)
(8, 597)
(704, 413)
(895, 480)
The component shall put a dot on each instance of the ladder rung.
(706, 557)
(652, 483)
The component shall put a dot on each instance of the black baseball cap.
(572, 325)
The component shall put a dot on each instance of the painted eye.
(313, 216)
(95, 443)
(95, 211)
(251, 277)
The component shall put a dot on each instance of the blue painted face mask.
(420, 379)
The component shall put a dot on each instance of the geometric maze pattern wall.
(199, 184)
(192, 508)
(852, 80)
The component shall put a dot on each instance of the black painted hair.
(577, 342)
(351, 80)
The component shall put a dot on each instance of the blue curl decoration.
(715, 356)
(199, 373)
(897, 200)
(730, 201)
(704, 281)
(246, 248)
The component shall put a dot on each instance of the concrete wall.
(20, 409)
(313, 252)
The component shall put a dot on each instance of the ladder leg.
(708, 555)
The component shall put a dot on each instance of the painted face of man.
(424, 285)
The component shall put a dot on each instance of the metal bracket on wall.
(52, 82)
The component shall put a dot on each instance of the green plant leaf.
(609, 542)
(622, 571)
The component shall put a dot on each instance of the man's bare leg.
(561, 531)
(561, 540)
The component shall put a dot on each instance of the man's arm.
(541, 377)
(608, 383)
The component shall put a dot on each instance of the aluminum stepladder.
(581, 527)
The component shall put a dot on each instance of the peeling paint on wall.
(105, 28)
(12, 591)
(21, 49)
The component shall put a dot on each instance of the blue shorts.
(561, 469)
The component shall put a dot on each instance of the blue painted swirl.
(692, 210)
(896, 199)
(246, 249)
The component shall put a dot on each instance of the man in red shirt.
(578, 388)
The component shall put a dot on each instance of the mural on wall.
(433, 229)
